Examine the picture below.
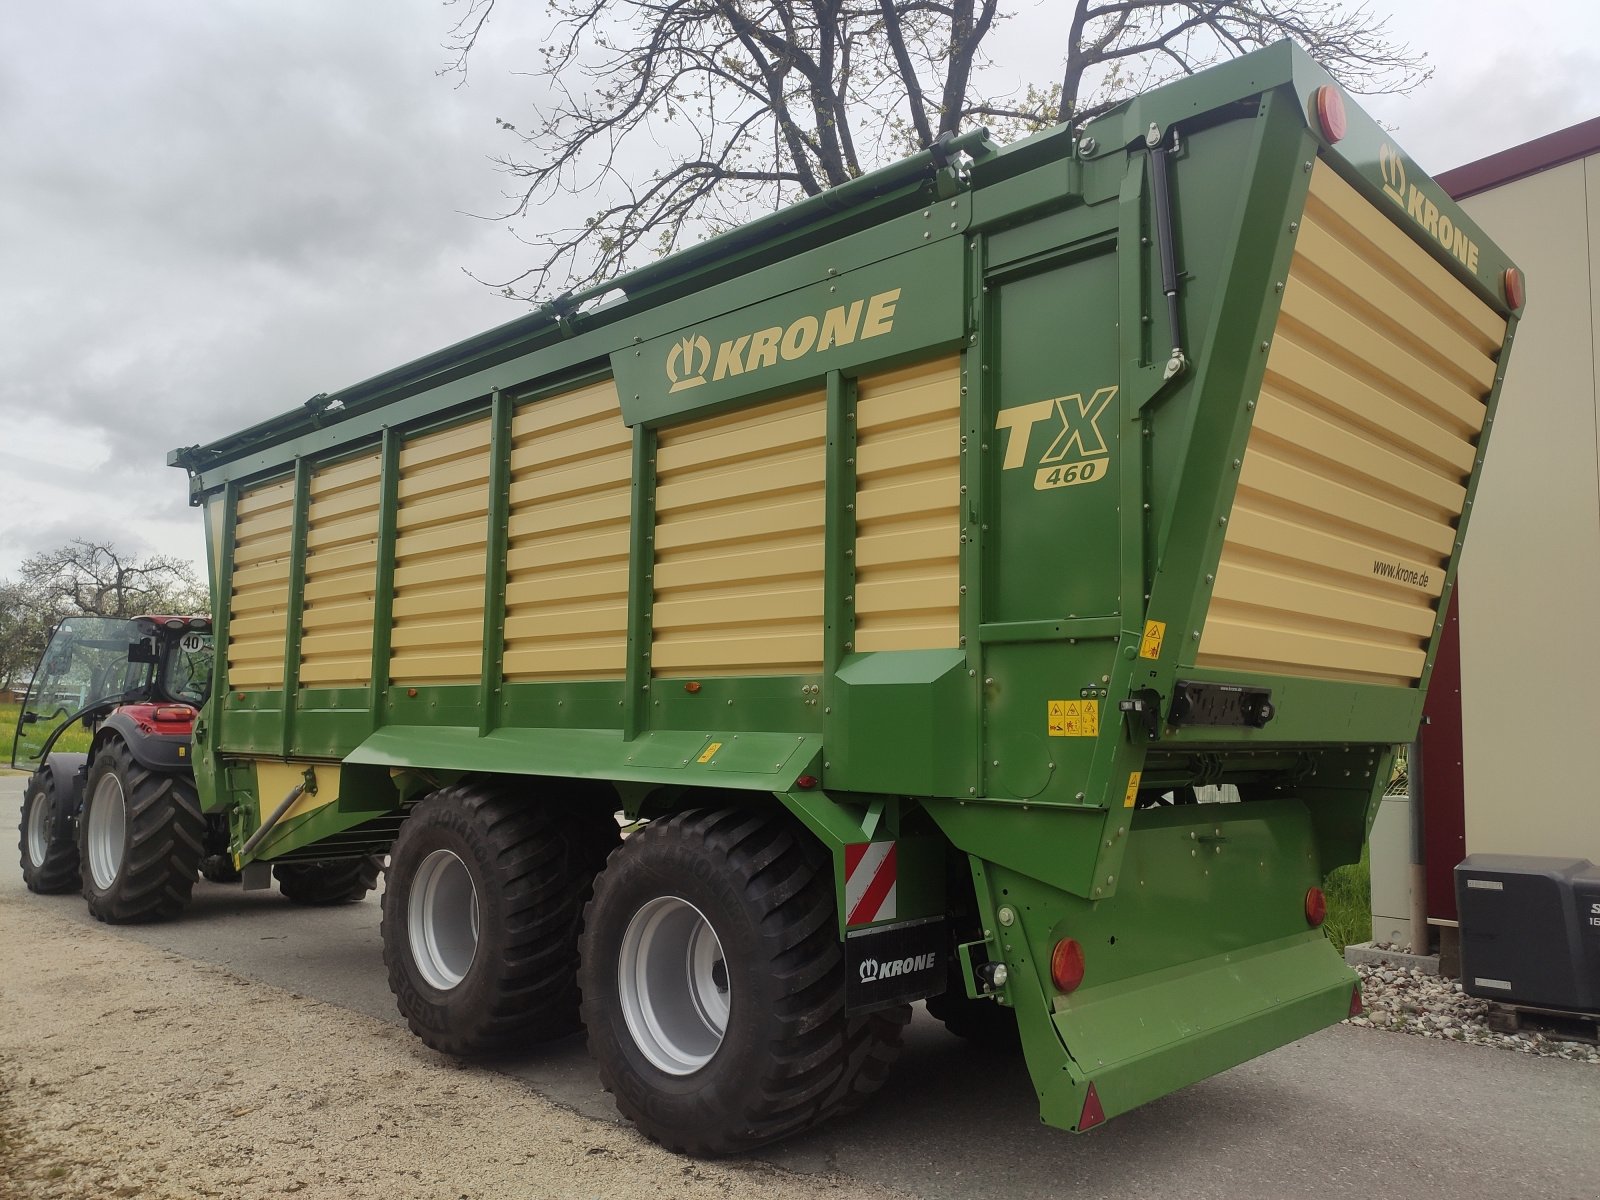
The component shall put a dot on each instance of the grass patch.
(1349, 893)
(74, 741)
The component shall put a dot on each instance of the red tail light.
(1316, 907)
(1092, 1113)
(1329, 107)
(1066, 965)
(169, 712)
(1513, 285)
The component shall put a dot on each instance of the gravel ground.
(123, 1073)
(1407, 1001)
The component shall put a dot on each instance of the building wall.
(1530, 576)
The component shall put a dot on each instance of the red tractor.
(111, 808)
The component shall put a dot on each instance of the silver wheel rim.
(108, 830)
(672, 980)
(442, 920)
(38, 829)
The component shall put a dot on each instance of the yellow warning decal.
(1150, 644)
(1074, 718)
(709, 751)
(1132, 793)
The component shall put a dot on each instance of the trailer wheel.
(49, 854)
(336, 881)
(139, 839)
(480, 915)
(713, 985)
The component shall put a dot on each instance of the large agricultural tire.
(336, 881)
(139, 839)
(714, 987)
(485, 893)
(48, 850)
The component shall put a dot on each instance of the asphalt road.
(1345, 1112)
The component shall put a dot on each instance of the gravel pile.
(1407, 1001)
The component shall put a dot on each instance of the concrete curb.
(1368, 955)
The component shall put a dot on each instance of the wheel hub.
(39, 829)
(673, 984)
(442, 920)
(108, 830)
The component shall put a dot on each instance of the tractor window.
(188, 673)
(86, 662)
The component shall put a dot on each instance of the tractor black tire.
(531, 866)
(335, 881)
(143, 867)
(985, 1023)
(48, 850)
(788, 1056)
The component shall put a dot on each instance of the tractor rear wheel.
(336, 881)
(139, 839)
(485, 892)
(714, 985)
(49, 853)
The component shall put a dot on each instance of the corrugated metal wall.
(739, 542)
(1354, 475)
(258, 616)
(440, 555)
(567, 558)
(341, 570)
(908, 508)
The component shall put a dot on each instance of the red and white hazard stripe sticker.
(869, 882)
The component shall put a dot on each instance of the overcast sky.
(211, 212)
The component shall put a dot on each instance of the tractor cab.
(158, 668)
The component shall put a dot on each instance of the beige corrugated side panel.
(441, 539)
(258, 616)
(739, 542)
(908, 508)
(567, 558)
(341, 571)
(1354, 476)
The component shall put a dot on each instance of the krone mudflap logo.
(1076, 451)
(690, 361)
(1437, 225)
(872, 970)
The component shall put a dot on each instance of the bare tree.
(684, 117)
(87, 578)
(95, 579)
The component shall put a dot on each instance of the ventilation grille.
(1356, 469)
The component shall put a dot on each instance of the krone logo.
(872, 970)
(688, 361)
(1394, 173)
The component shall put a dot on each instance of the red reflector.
(1513, 285)
(1329, 106)
(806, 781)
(1316, 907)
(1356, 1007)
(1066, 965)
(692, 687)
(1092, 1113)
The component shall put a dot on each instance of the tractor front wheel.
(49, 853)
(139, 839)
